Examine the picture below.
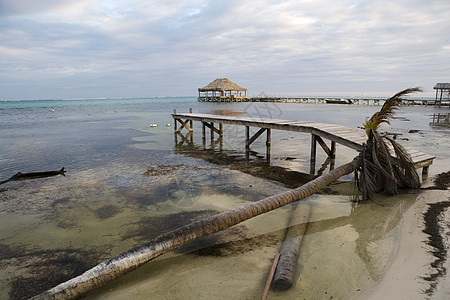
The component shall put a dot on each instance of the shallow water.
(127, 182)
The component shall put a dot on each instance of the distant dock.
(224, 90)
(326, 100)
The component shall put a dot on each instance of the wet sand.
(411, 275)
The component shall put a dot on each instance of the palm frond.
(404, 167)
(380, 170)
(387, 111)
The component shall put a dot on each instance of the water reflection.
(257, 166)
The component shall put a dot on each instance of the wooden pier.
(348, 137)
(441, 119)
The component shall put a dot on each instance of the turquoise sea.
(128, 181)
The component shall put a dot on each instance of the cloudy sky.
(51, 49)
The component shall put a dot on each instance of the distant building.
(222, 89)
(442, 91)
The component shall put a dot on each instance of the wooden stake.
(269, 279)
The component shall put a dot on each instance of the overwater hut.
(442, 91)
(222, 89)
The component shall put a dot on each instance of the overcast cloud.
(52, 49)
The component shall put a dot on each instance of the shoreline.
(411, 274)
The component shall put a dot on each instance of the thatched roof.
(222, 84)
(442, 86)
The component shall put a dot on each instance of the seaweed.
(219, 245)
(166, 169)
(106, 211)
(150, 227)
(439, 250)
(442, 181)
(39, 270)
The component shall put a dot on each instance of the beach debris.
(414, 131)
(284, 277)
(25, 176)
(270, 277)
(167, 169)
(442, 180)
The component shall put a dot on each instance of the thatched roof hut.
(222, 89)
(442, 86)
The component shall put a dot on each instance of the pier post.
(175, 120)
(204, 135)
(312, 167)
(333, 149)
(247, 138)
(425, 172)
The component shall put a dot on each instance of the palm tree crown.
(385, 164)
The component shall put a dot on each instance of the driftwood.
(141, 254)
(25, 176)
(287, 264)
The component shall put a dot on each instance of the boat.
(338, 101)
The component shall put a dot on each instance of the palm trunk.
(287, 264)
(139, 255)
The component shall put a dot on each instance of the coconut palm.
(385, 164)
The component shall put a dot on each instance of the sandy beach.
(411, 275)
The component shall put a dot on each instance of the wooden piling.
(312, 167)
(285, 272)
(175, 120)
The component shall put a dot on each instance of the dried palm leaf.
(387, 111)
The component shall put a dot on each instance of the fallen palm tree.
(372, 158)
(139, 255)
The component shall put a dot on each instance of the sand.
(405, 278)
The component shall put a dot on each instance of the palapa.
(222, 89)
(222, 84)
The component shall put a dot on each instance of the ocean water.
(127, 182)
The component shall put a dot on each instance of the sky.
(66, 49)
